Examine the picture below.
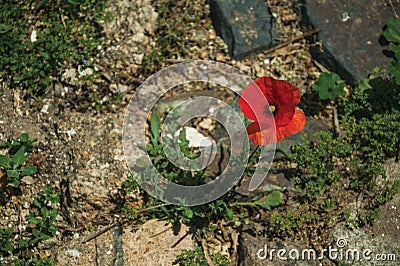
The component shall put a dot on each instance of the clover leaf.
(329, 86)
(392, 33)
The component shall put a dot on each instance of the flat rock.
(351, 35)
(245, 26)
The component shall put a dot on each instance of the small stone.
(212, 34)
(245, 26)
(29, 180)
(351, 35)
(45, 109)
(72, 252)
(33, 36)
(207, 124)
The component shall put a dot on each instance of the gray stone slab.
(351, 35)
(245, 26)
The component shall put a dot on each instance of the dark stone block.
(245, 26)
(351, 35)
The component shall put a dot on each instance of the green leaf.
(24, 137)
(5, 161)
(31, 243)
(229, 213)
(35, 232)
(24, 242)
(155, 123)
(394, 69)
(7, 247)
(28, 170)
(12, 173)
(45, 55)
(37, 203)
(44, 211)
(18, 78)
(52, 229)
(364, 85)
(14, 183)
(44, 236)
(4, 28)
(55, 198)
(329, 86)
(33, 220)
(392, 33)
(272, 200)
(19, 157)
(74, 2)
(188, 213)
(396, 49)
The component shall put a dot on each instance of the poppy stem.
(284, 153)
(255, 150)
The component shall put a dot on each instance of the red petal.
(295, 125)
(261, 137)
(254, 101)
(285, 96)
(284, 87)
(268, 135)
(296, 94)
(256, 98)
(263, 84)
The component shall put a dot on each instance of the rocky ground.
(82, 151)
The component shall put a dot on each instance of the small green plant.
(196, 257)
(214, 210)
(191, 258)
(43, 215)
(18, 249)
(6, 245)
(271, 200)
(202, 216)
(285, 222)
(12, 165)
(174, 214)
(219, 259)
(39, 38)
(392, 35)
(329, 86)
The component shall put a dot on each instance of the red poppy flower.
(271, 103)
